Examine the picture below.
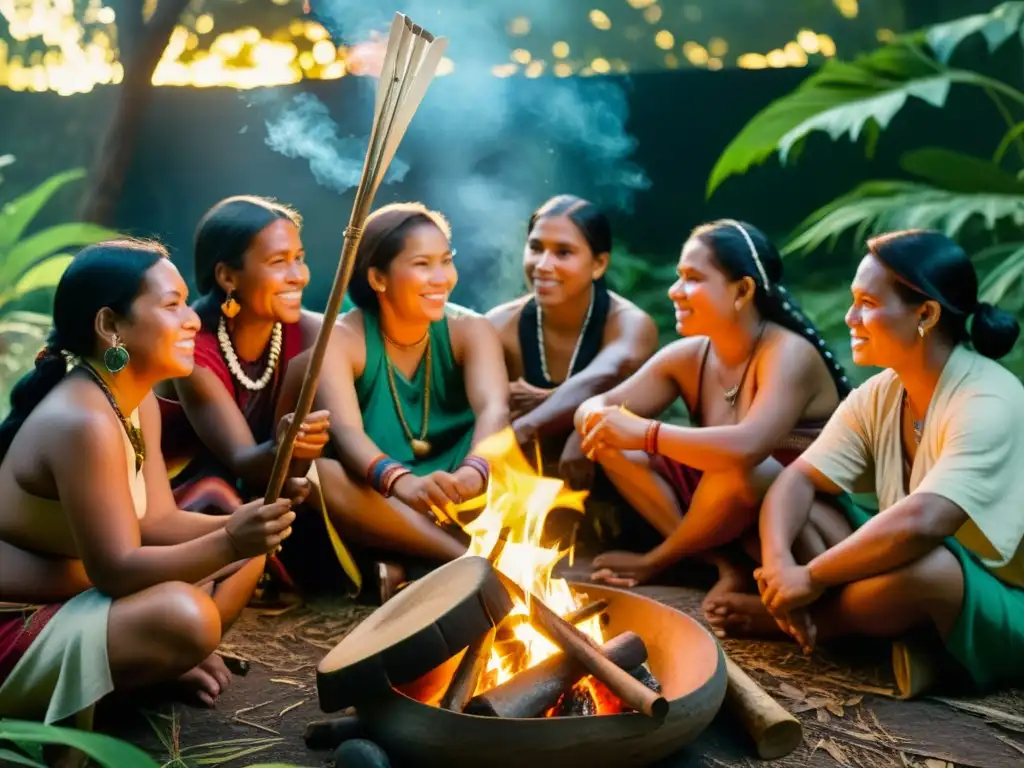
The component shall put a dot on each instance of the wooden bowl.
(686, 659)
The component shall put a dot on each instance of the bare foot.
(731, 579)
(206, 681)
(737, 614)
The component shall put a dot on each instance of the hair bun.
(994, 331)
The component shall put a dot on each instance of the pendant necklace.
(732, 393)
(420, 446)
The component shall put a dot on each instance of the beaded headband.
(753, 250)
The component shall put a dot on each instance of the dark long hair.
(109, 274)
(758, 259)
(588, 218)
(383, 239)
(929, 265)
(223, 235)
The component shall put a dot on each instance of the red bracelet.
(651, 437)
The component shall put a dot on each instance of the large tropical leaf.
(26, 253)
(958, 172)
(1007, 274)
(842, 98)
(997, 26)
(105, 750)
(45, 274)
(16, 215)
(878, 206)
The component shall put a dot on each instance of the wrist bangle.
(651, 437)
(382, 473)
(480, 465)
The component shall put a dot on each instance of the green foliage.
(27, 739)
(31, 264)
(977, 201)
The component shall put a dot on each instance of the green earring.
(116, 357)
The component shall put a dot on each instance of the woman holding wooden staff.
(222, 423)
(570, 338)
(939, 437)
(758, 383)
(412, 382)
(117, 588)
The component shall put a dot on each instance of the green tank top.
(451, 419)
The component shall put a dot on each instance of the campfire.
(519, 669)
(490, 659)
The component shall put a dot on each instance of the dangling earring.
(116, 357)
(920, 331)
(230, 307)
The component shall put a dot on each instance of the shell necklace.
(236, 368)
(579, 339)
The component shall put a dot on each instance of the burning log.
(467, 675)
(576, 644)
(532, 692)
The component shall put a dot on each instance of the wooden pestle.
(578, 645)
(774, 730)
(534, 690)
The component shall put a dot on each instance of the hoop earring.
(116, 358)
(230, 307)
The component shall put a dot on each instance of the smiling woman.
(222, 423)
(412, 383)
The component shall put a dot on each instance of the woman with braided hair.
(758, 384)
(106, 583)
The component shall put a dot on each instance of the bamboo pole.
(410, 63)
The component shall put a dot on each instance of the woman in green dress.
(412, 383)
(938, 436)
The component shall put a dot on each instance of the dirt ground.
(843, 699)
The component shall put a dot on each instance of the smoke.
(303, 128)
(484, 150)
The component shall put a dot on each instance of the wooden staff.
(410, 63)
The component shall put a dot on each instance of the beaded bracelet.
(480, 465)
(383, 472)
(651, 437)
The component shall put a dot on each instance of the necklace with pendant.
(420, 446)
(133, 432)
(732, 393)
(918, 423)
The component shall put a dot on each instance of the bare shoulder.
(790, 349)
(623, 313)
(309, 324)
(507, 315)
(348, 340)
(465, 324)
(682, 352)
(75, 417)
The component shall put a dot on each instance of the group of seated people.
(135, 454)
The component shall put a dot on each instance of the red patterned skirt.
(18, 630)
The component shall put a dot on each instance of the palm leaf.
(997, 26)
(958, 172)
(855, 98)
(45, 274)
(16, 215)
(1008, 273)
(26, 253)
(879, 206)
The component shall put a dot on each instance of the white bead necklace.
(579, 340)
(236, 368)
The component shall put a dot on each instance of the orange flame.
(519, 499)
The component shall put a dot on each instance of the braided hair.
(742, 250)
(108, 274)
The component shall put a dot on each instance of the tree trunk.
(140, 53)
